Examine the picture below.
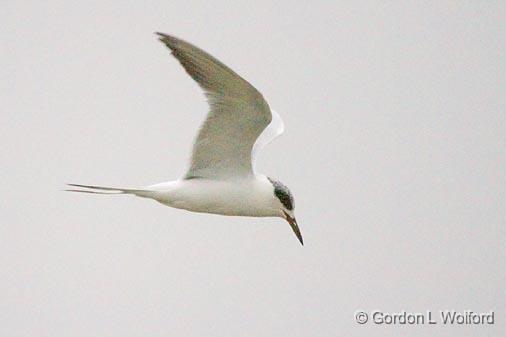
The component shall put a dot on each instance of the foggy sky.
(394, 149)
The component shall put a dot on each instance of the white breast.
(249, 197)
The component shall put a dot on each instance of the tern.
(221, 178)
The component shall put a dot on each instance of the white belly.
(252, 197)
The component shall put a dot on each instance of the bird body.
(221, 178)
(242, 197)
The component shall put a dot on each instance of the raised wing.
(273, 130)
(224, 144)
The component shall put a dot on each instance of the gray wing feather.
(237, 117)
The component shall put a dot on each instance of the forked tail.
(108, 190)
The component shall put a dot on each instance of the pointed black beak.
(295, 227)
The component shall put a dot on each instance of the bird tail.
(108, 190)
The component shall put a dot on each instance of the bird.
(221, 178)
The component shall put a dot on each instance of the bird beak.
(295, 227)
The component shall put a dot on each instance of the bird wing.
(227, 140)
(273, 130)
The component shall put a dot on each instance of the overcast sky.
(394, 148)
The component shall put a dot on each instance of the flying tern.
(221, 178)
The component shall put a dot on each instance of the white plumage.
(221, 178)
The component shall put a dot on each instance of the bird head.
(286, 206)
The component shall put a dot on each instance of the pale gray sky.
(395, 150)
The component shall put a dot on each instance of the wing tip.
(169, 40)
(161, 35)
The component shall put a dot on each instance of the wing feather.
(238, 115)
